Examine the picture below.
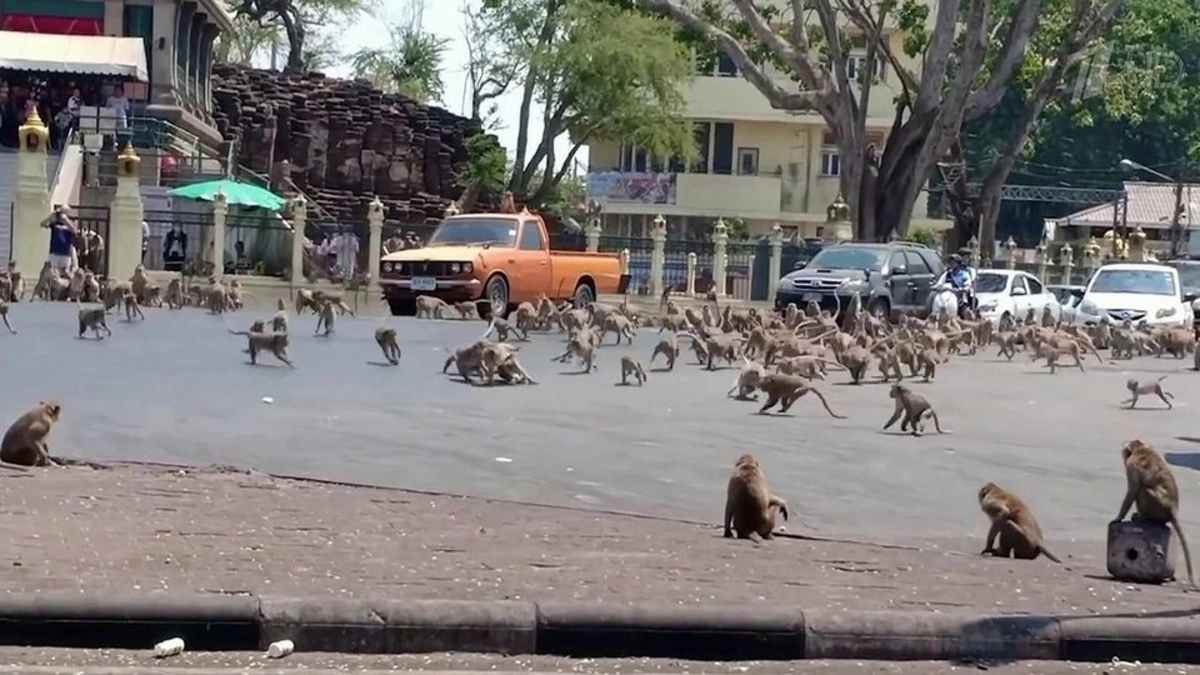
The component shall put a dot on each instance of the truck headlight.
(387, 267)
(467, 268)
(455, 268)
(1165, 312)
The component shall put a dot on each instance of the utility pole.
(1176, 224)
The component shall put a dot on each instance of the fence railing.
(179, 241)
(257, 244)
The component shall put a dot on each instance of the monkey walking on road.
(1137, 390)
(385, 337)
(630, 366)
(915, 408)
(1151, 485)
(92, 318)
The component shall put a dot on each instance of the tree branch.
(777, 96)
(1021, 27)
(812, 77)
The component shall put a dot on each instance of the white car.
(1137, 292)
(1010, 293)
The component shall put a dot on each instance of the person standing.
(175, 249)
(62, 240)
(345, 247)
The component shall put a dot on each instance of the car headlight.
(854, 286)
(455, 268)
(1089, 307)
(1165, 312)
(467, 268)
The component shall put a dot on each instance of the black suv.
(891, 279)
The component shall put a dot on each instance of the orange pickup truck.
(502, 258)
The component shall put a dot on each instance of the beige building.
(758, 164)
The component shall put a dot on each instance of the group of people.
(58, 104)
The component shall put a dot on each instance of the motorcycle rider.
(962, 282)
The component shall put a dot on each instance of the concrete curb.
(595, 630)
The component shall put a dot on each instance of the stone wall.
(342, 143)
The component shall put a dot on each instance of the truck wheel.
(403, 307)
(879, 309)
(496, 293)
(583, 295)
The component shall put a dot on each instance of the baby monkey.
(630, 366)
(385, 337)
(1014, 523)
(915, 408)
(1137, 390)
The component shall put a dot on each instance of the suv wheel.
(879, 309)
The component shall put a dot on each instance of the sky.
(444, 18)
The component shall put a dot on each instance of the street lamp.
(1176, 217)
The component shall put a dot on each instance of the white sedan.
(1010, 293)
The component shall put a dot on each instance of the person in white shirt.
(345, 246)
(145, 240)
(119, 103)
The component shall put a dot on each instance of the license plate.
(812, 297)
(424, 284)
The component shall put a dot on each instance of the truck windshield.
(1145, 282)
(466, 231)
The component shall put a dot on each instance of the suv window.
(931, 259)
(894, 261)
(916, 264)
(1035, 286)
(531, 236)
(1189, 274)
(849, 258)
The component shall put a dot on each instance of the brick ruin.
(342, 142)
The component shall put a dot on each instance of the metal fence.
(178, 241)
(91, 240)
(257, 243)
(336, 250)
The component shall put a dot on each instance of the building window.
(722, 162)
(703, 132)
(633, 159)
(725, 66)
(831, 162)
(747, 161)
(857, 63)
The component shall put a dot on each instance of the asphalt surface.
(118, 662)
(177, 389)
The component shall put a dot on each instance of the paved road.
(24, 661)
(176, 389)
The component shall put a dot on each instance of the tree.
(410, 64)
(597, 71)
(298, 19)
(970, 52)
(1140, 101)
(248, 41)
(490, 68)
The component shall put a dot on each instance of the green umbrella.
(240, 194)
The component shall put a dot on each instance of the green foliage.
(303, 25)
(248, 42)
(569, 196)
(923, 236)
(487, 169)
(737, 229)
(601, 71)
(410, 64)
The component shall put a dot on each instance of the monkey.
(1137, 390)
(466, 310)
(1052, 353)
(138, 283)
(927, 361)
(788, 388)
(336, 299)
(856, 360)
(75, 288)
(1014, 523)
(279, 322)
(93, 318)
(1152, 486)
(174, 294)
(747, 382)
(304, 298)
(325, 318)
(581, 345)
(499, 358)
(24, 443)
(630, 366)
(504, 329)
(618, 324)
(914, 407)
(132, 308)
(1008, 343)
(4, 316)
(257, 340)
(428, 307)
(217, 297)
(668, 348)
(385, 337)
(750, 508)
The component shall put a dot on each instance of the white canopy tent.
(102, 55)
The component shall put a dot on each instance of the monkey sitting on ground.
(325, 318)
(132, 308)
(385, 337)
(259, 341)
(92, 318)
(1137, 390)
(1152, 486)
(750, 508)
(174, 295)
(24, 443)
(668, 348)
(1014, 523)
(914, 408)
(630, 366)
(787, 389)
(4, 316)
